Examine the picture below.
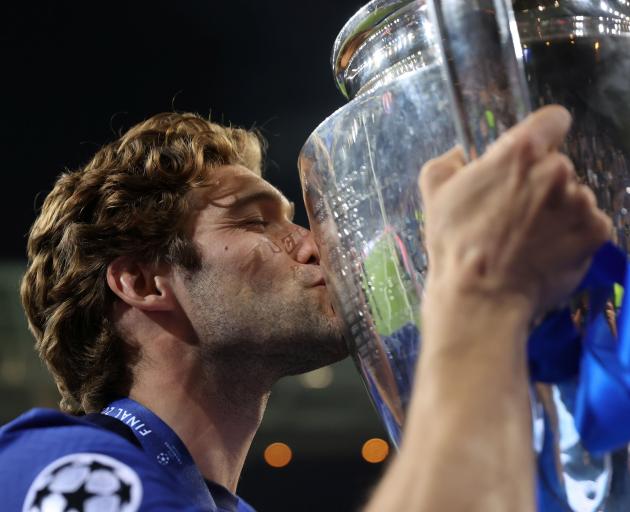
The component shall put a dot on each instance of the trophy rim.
(356, 30)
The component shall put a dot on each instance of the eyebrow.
(288, 207)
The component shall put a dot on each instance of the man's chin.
(328, 348)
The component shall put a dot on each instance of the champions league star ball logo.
(163, 459)
(85, 482)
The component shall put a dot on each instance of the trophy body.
(359, 173)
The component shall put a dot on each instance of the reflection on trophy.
(418, 83)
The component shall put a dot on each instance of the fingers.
(585, 197)
(602, 228)
(568, 204)
(437, 171)
(530, 140)
(589, 221)
(579, 244)
(550, 179)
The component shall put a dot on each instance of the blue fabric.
(37, 438)
(602, 362)
(554, 349)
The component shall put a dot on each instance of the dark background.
(76, 74)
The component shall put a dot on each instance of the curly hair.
(131, 199)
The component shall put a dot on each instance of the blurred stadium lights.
(375, 450)
(278, 455)
(318, 379)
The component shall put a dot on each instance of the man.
(168, 288)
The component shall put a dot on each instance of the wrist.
(474, 345)
(467, 322)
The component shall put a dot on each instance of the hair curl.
(131, 199)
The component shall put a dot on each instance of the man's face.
(259, 298)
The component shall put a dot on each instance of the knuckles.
(562, 164)
(525, 147)
(520, 147)
(584, 200)
(557, 170)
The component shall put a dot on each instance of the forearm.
(467, 442)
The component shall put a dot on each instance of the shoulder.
(52, 459)
(41, 433)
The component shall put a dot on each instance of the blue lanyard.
(166, 449)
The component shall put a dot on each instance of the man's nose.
(307, 251)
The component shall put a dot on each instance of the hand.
(515, 223)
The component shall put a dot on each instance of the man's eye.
(256, 223)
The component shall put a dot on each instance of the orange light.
(375, 450)
(278, 455)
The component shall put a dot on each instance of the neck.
(214, 411)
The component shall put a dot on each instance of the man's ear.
(140, 285)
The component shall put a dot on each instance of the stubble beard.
(309, 339)
(263, 336)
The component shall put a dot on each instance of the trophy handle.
(483, 67)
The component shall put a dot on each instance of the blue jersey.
(51, 461)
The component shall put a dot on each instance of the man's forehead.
(234, 185)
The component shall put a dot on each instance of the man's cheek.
(255, 265)
(258, 255)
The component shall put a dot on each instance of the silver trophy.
(422, 76)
